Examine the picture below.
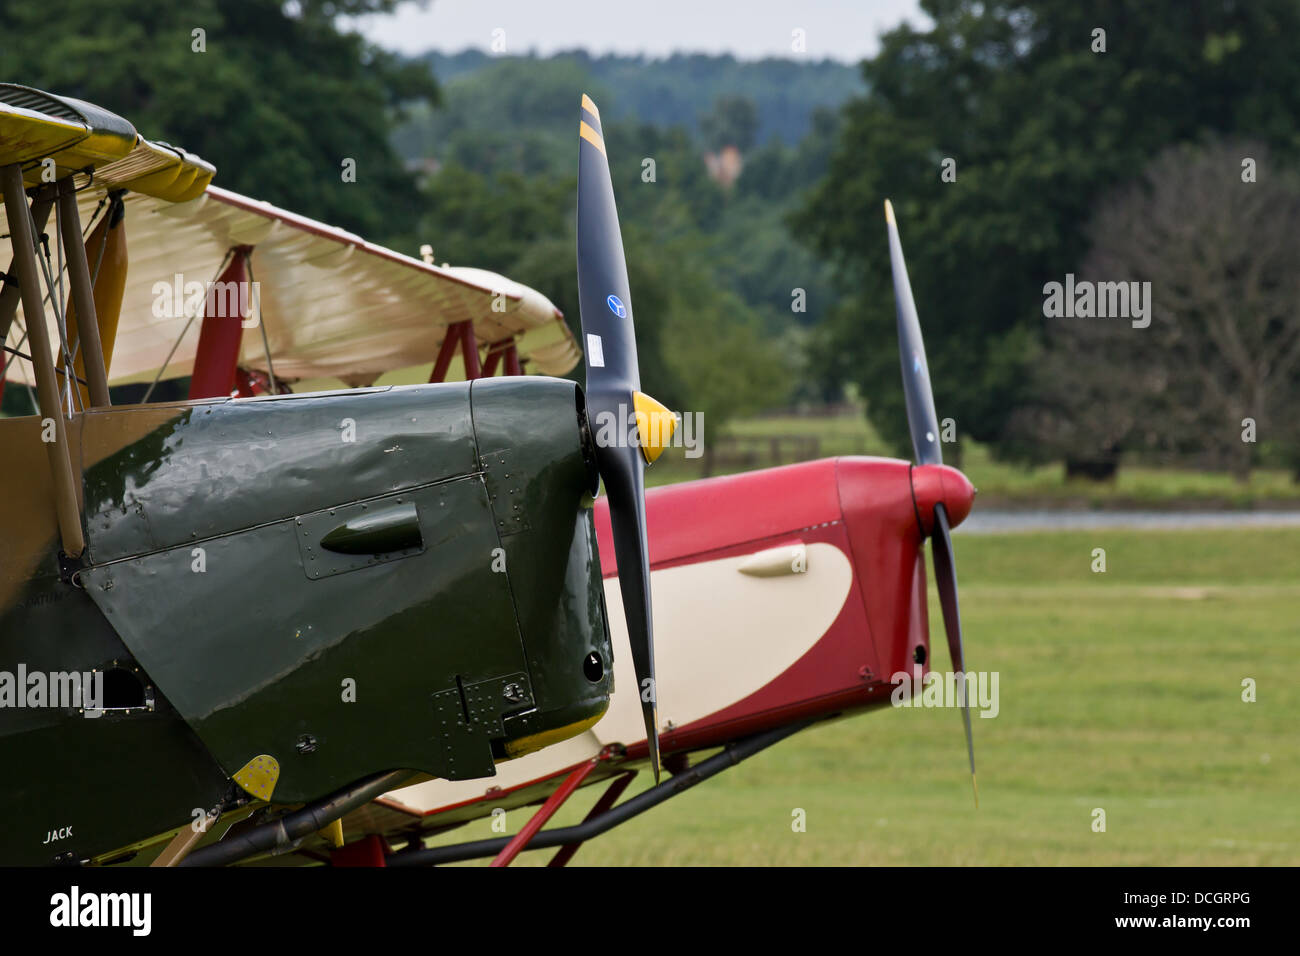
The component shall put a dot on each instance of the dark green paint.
(380, 532)
(459, 596)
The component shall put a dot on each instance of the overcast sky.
(748, 29)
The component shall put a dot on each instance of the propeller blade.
(945, 577)
(613, 384)
(921, 419)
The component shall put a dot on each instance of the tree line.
(1027, 146)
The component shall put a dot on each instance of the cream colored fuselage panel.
(723, 629)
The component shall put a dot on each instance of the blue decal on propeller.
(616, 306)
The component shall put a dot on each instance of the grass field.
(1120, 691)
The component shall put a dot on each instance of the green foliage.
(1040, 127)
(697, 348)
(1222, 344)
(711, 271)
(677, 91)
(733, 121)
(516, 115)
(277, 101)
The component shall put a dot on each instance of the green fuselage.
(347, 582)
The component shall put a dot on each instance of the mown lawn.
(1120, 691)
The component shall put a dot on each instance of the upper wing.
(332, 304)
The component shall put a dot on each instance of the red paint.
(250, 383)
(864, 507)
(370, 850)
(940, 484)
(493, 359)
(469, 350)
(877, 502)
(450, 339)
(553, 803)
(246, 385)
(505, 349)
(602, 806)
(692, 520)
(220, 337)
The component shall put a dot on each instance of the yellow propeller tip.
(889, 212)
(590, 106)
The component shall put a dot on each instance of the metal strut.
(462, 334)
(607, 800)
(23, 239)
(505, 349)
(733, 754)
(571, 783)
(83, 297)
(284, 830)
(11, 292)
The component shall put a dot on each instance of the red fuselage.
(870, 509)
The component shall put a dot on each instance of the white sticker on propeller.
(595, 352)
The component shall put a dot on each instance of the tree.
(273, 94)
(733, 121)
(699, 347)
(1038, 127)
(1223, 344)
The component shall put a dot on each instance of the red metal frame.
(461, 335)
(571, 783)
(495, 352)
(220, 338)
(469, 350)
(449, 341)
(607, 800)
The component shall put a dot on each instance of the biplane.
(316, 626)
(782, 597)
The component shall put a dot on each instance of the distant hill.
(682, 88)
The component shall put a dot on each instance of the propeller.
(924, 427)
(643, 427)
